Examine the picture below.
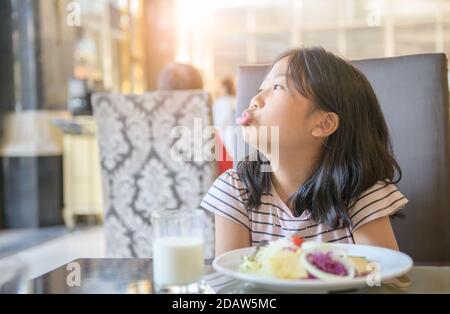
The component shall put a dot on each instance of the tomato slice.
(297, 240)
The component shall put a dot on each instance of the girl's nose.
(256, 104)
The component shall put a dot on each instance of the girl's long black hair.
(354, 158)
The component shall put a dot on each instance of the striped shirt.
(273, 219)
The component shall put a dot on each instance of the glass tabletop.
(134, 276)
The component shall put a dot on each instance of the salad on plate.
(293, 258)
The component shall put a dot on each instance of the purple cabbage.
(325, 262)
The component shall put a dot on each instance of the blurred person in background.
(178, 76)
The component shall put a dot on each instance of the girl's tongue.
(244, 119)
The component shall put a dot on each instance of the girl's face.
(283, 108)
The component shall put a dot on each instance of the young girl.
(335, 176)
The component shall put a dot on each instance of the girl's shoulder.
(382, 199)
(231, 178)
(226, 198)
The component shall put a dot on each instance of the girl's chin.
(251, 125)
(248, 124)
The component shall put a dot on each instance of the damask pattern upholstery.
(140, 174)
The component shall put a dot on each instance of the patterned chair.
(140, 175)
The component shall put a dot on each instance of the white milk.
(177, 260)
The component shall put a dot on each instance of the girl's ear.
(327, 125)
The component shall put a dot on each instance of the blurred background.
(55, 53)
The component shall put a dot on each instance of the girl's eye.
(277, 87)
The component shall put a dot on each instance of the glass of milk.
(178, 250)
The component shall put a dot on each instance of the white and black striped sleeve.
(225, 198)
(383, 199)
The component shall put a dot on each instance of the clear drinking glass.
(178, 250)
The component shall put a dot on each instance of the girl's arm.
(230, 235)
(377, 233)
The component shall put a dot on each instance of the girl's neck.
(294, 168)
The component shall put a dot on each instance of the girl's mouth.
(243, 120)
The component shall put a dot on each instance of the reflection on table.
(134, 276)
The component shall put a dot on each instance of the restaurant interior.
(88, 109)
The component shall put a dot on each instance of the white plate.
(391, 263)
